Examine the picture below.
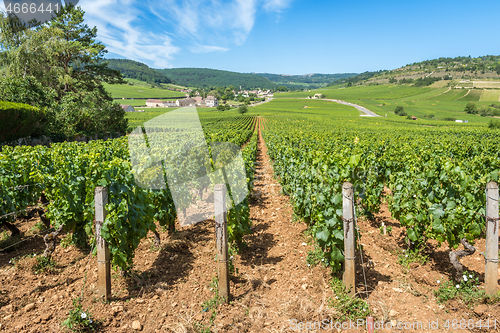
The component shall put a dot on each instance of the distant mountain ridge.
(205, 77)
(311, 81)
(457, 68)
(131, 69)
(208, 78)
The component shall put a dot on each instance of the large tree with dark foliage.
(64, 57)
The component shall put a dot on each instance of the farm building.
(186, 102)
(211, 101)
(127, 108)
(154, 103)
(413, 118)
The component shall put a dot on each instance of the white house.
(154, 103)
(211, 102)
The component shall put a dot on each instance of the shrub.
(449, 119)
(400, 111)
(494, 124)
(426, 81)
(243, 109)
(470, 108)
(19, 120)
(25, 90)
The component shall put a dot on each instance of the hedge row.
(18, 120)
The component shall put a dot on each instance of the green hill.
(204, 77)
(309, 81)
(137, 70)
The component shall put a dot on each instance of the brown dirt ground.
(273, 284)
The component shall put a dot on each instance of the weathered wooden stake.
(491, 253)
(221, 236)
(384, 229)
(349, 277)
(103, 265)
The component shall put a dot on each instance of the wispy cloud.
(214, 20)
(120, 30)
(152, 31)
(276, 5)
(207, 49)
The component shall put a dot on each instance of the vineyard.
(68, 173)
(428, 183)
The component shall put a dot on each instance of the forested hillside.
(310, 81)
(204, 77)
(131, 69)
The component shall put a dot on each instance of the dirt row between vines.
(272, 289)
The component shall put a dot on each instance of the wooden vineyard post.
(491, 253)
(349, 277)
(221, 236)
(103, 264)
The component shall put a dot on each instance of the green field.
(362, 92)
(134, 102)
(432, 107)
(490, 95)
(474, 95)
(140, 89)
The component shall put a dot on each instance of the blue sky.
(293, 36)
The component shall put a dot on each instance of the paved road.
(359, 107)
(267, 100)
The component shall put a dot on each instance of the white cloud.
(215, 21)
(127, 27)
(207, 49)
(276, 5)
(118, 29)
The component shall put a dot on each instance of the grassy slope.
(417, 101)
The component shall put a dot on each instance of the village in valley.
(197, 100)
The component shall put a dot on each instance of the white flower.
(465, 278)
(438, 281)
(458, 286)
(323, 259)
(231, 257)
(10, 261)
(83, 315)
(406, 256)
(34, 254)
(308, 265)
(336, 297)
(470, 276)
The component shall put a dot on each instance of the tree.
(64, 57)
(400, 111)
(471, 108)
(62, 54)
(243, 109)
